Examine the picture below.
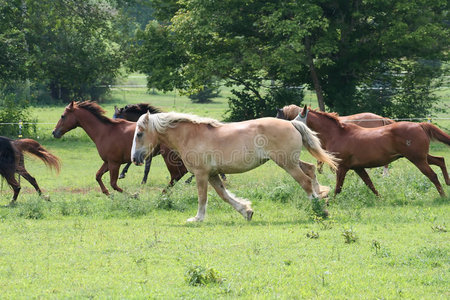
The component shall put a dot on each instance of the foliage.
(13, 109)
(204, 96)
(348, 45)
(349, 236)
(198, 275)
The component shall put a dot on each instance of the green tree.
(335, 47)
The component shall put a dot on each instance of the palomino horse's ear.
(304, 111)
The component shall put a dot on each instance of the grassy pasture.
(86, 245)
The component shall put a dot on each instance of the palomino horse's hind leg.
(310, 170)
(148, 163)
(440, 162)
(243, 206)
(365, 177)
(103, 169)
(202, 189)
(427, 171)
(124, 171)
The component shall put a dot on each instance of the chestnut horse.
(366, 119)
(12, 161)
(208, 147)
(113, 139)
(360, 148)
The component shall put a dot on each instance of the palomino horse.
(113, 139)
(12, 161)
(367, 120)
(208, 147)
(132, 112)
(360, 148)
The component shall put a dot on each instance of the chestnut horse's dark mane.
(97, 111)
(141, 108)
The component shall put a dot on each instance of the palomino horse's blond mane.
(162, 121)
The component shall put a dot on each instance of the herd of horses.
(208, 148)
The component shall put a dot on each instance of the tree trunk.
(314, 77)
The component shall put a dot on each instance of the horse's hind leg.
(30, 179)
(243, 206)
(113, 175)
(148, 164)
(15, 186)
(440, 162)
(427, 171)
(340, 176)
(310, 170)
(365, 177)
(124, 171)
(202, 189)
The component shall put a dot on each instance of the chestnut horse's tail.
(435, 134)
(312, 143)
(33, 147)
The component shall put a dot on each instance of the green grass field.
(84, 244)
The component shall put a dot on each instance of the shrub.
(199, 276)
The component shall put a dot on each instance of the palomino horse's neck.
(90, 123)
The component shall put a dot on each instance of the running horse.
(360, 148)
(113, 139)
(132, 112)
(366, 119)
(209, 147)
(12, 161)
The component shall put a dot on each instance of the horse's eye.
(139, 134)
(62, 116)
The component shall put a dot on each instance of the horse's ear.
(71, 105)
(116, 110)
(304, 111)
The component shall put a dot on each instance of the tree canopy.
(356, 55)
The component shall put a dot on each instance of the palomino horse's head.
(144, 141)
(67, 122)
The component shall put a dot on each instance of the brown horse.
(208, 147)
(366, 119)
(113, 139)
(360, 148)
(12, 161)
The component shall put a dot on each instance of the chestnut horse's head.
(145, 139)
(67, 122)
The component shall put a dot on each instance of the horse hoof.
(135, 195)
(325, 213)
(46, 198)
(194, 219)
(121, 176)
(249, 215)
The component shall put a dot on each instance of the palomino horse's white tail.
(312, 143)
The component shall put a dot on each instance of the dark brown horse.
(113, 139)
(132, 113)
(360, 148)
(366, 119)
(12, 161)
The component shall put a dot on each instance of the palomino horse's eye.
(139, 134)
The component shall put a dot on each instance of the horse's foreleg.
(365, 177)
(124, 171)
(340, 176)
(103, 169)
(113, 175)
(427, 171)
(243, 206)
(148, 163)
(385, 170)
(202, 189)
(440, 162)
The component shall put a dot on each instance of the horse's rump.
(7, 157)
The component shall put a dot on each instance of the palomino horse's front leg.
(113, 175)
(103, 169)
(202, 189)
(243, 206)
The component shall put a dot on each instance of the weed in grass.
(438, 228)
(200, 276)
(349, 236)
(318, 208)
(312, 235)
(32, 209)
(324, 224)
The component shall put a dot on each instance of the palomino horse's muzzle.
(139, 157)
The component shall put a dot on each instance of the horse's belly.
(240, 166)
